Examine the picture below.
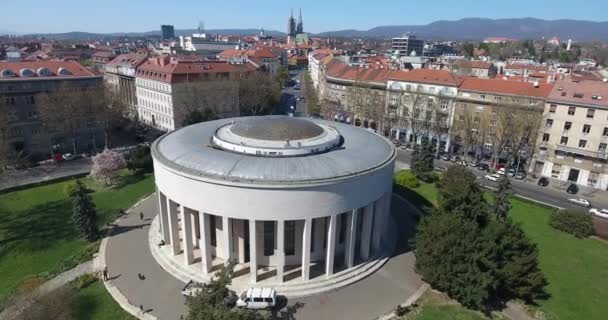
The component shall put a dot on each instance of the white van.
(257, 298)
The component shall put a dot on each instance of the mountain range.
(463, 29)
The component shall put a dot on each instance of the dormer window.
(44, 72)
(578, 95)
(25, 72)
(7, 73)
(64, 72)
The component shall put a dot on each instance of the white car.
(501, 171)
(257, 298)
(580, 202)
(602, 213)
(492, 177)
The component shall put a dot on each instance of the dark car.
(483, 167)
(572, 189)
(543, 182)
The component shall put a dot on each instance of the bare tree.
(221, 97)
(4, 134)
(110, 109)
(258, 94)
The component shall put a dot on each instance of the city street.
(290, 94)
(554, 194)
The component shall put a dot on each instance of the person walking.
(141, 216)
(105, 274)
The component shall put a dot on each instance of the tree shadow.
(118, 229)
(282, 311)
(406, 222)
(37, 228)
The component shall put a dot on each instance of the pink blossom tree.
(106, 166)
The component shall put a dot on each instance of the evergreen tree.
(460, 194)
(84, 213)
(502, 199)
(197, 116)
(422, 160)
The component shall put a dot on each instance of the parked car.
(445, 157)
(602, 213)
(572, 189)
(500, 166)
(492, 177)
(580, 202)
(70, 156)
(520, 175)
(543, 182)
(501, 171)
(483, 167)
(462, 162)
(257, 298)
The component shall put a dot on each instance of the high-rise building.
(407, 45)
(167, 32)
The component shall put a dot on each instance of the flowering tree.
(106, 165)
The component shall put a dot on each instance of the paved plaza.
(127, 254)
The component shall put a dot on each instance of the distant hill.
(479, 28)
(77, 35)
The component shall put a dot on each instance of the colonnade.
(345, 239)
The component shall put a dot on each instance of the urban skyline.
(127, 17)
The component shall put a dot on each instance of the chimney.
(536, 84)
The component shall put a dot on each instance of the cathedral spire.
(300, 25)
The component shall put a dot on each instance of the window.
(546, 137)
(343, 225)
(461, 117)
(605, 133)
(269, 300)
(290, 238)
(549, 123)
(552, 108)
(268, 238)
(563, 140)
(483, 96)
(213, 230)
(571, 111)
(567, 126)
(602, 147)
(578, 95)
(498, 98)
(582, 143)
(556, 170)
(493, 123)
(258, 300)
(586, 128)
(476, 119)
(590, 113)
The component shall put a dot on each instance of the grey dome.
(276, 128)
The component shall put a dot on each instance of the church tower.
(300, 28)
(291, 26)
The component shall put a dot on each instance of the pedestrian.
(141, 308)
(105, 274)
(141, 216)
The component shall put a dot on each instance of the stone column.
(351, 240)
(366, 231)
(306, 249)
(164, 218)
(195, 229)
(280, 249)
(187, 235)
(173, 227)
(205, 243)
(253, 258)
(240, 226)
(331, 246)
(378, 217)
(227, 234)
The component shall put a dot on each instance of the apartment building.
(168, 88)
(495, 115)
(120, 76)
(574, 134)
(420, 103)
(20, 83)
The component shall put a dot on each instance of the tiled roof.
(340, 70)
(585, 92)
(73, 69)
(131, 59)
(506, 87)
(427, 76)
(104, 54)
(530, 67)
(472, 64)
(165, 69)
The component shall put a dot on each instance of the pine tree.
(84, 213)
(460, 194)
(422, 160)
(502, 199)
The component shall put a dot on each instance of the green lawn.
(95, 303)
(446, 312)
(36, 232)
(576, 269)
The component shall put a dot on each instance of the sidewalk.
(42, 173)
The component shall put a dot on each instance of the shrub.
(70, 188)
(573, 221)
(406, 178)
(85, 281)
(140, 160)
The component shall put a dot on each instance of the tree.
(282, 76)
(468, 49)
(140, 160)
(197, 116)
(5, 144)
(209, 301)
(573, 221)
(422, 160)
(84, 213)
(502, 199)
(312, 98)
(217, 97)
(109, 109)
(258, 94)
(106, 165)
(460, 194)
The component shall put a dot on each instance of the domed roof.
(279, 128)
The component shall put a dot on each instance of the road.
(16, 178)
(554, 194)
(290, 94)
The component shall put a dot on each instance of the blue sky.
(27, 16)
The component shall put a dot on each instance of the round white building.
(290, 200)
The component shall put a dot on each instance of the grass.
(36, 231)
(576, 269)
(436, 306)
(95, 303)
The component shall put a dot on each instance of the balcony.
(584, 152)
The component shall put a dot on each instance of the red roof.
(168, 69)
(506, 87)
(131, 59)
(427, 76)
(587, 92)
(337, 69)
(529, 67)
(73, 68)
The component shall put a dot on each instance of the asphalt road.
(554, 194)
(289, 96)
